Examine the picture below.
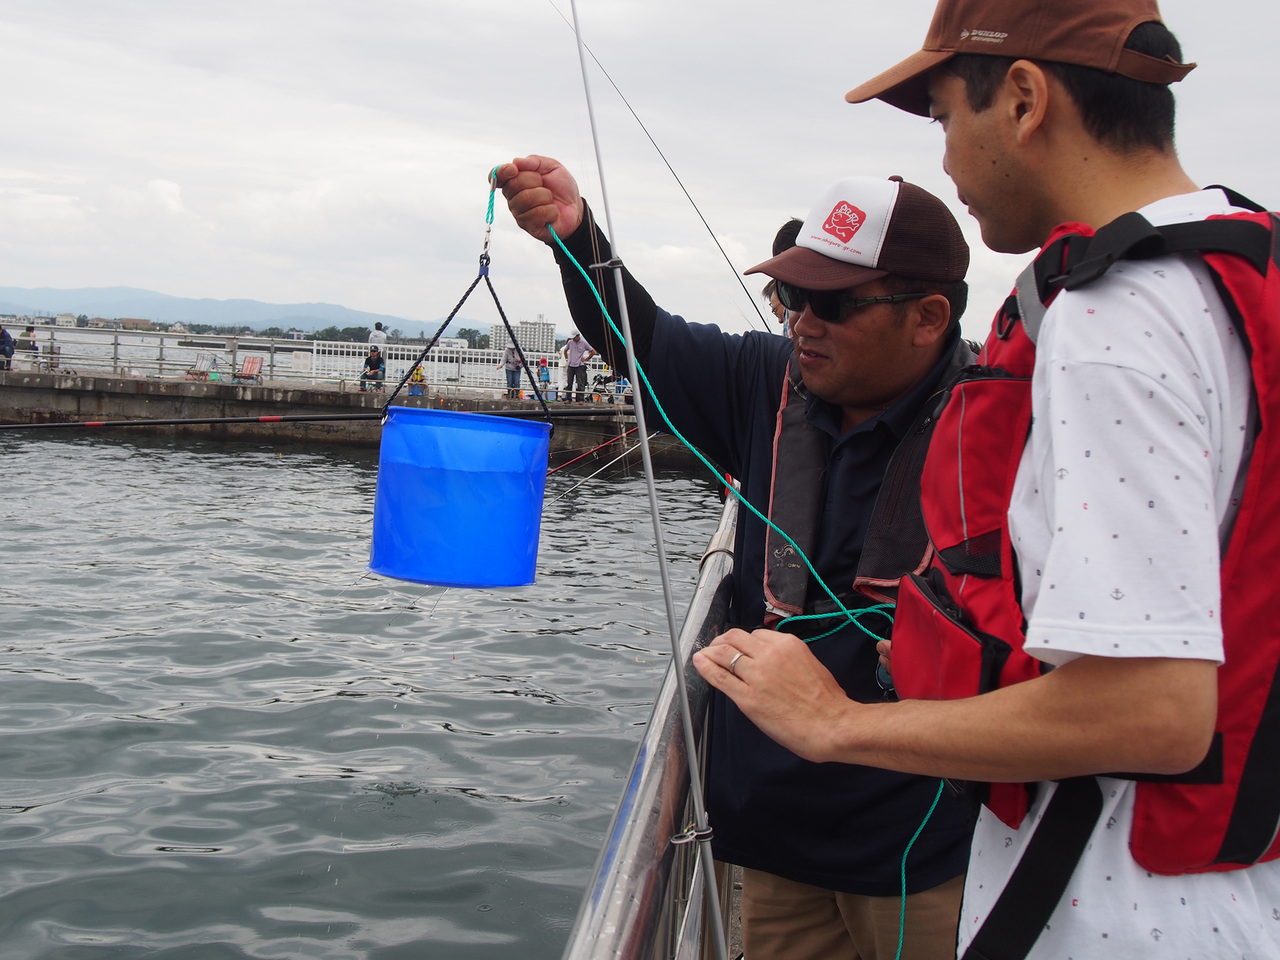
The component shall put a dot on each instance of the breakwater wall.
(40, 397)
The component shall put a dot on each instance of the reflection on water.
(219, 738)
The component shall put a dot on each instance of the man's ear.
(1024, 97)
(933, 319)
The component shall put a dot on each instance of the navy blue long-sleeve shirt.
(835, 826)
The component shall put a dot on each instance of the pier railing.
(147, 354)
(646, 899)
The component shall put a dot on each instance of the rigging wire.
(737, 275)
(702, 831)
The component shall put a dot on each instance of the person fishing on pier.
(511, 363)
(27, 343)
(374, 370)
(875, 289)
(1093, 652)
(7, 348)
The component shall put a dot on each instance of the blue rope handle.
(848, 614)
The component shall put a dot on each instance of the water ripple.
(222, 739)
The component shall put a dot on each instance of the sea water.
(220, 738)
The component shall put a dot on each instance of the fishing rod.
(592, 476)
(286, 418)
(701, 832)
(594, 449)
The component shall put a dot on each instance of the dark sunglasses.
(832, 306)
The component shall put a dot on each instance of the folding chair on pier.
(250, 371)
(205, 362)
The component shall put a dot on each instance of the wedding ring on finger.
(733, 664)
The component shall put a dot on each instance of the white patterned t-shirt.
(1140, 401)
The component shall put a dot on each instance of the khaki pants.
(784, 920)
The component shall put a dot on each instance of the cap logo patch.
(984, 36)
(844, 221)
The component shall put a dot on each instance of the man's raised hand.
(539, 192)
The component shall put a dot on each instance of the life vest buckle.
(1007, 317)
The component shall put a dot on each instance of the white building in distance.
(534, 336)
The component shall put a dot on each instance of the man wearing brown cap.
(1109, 530)
(875, 289)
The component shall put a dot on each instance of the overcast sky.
(336, 151)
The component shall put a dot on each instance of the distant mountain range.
(115, 302)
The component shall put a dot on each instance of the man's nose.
(805, 324)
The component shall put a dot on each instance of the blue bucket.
(459, 498)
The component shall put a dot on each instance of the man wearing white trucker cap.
(1115, 505)
(874, 286)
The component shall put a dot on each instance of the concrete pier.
(38, 397)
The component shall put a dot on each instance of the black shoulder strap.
(1037, 883)
(1238, 199)
(1074, 261)
(1248, 239)
(1130, 237)
(1133, 237)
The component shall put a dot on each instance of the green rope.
(902, 913)
(880, 608)
(848, 614)
(493, 189)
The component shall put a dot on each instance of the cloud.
(333, 151)
(168, 193)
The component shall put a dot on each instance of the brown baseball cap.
(864, 228)
(1086, 33)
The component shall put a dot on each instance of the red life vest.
(959, 629)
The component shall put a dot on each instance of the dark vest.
(896, 542)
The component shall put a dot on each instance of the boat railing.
(645, 900)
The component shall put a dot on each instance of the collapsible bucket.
(459, 498)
